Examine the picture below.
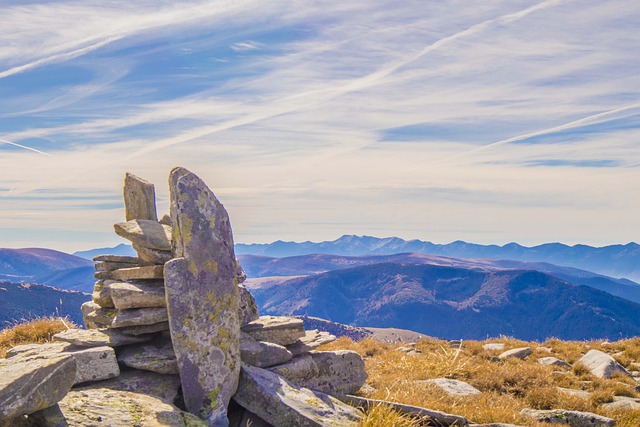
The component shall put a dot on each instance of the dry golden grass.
(507, 386)
(39, 330)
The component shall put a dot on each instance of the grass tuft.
(34, 331)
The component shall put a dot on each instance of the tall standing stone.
(139, 198)
(202, 298)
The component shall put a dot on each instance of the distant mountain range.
(20, 301)
(615, 260)
(30, 263)
(121, 249)
(452, 302)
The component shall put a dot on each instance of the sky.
(442, 120)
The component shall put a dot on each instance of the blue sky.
(490, 122)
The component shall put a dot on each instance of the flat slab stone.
(519, 353)
(139, 316)
(453, 387)
(92, 363)
(139, 198)
(571, 418)
(29, 385)
(82, 408)
(439, 418)
(552, 361)
(100, 337)
(147, 233)
(145, 329)
(310, 341)
(136, 295)
(163, 386)
(601, 364)
(262, 354)
(281, 330)
(149, 357)
(110, 266)
(338, 372)
(152, 256)
(99, 317)
(133, 273)
(202, 297)
(281, 403)
(117, 258)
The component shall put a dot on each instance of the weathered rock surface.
(519, 353)
(145, 233)
(145, 382)
(110, 266)
(117, 258)
(453, 387)
(310, 341)
(552, 361)
(102, 294)
(136, 295)
(88, 308)
(281, 330)
(333, 372)
(106, 407)
(571, 418)
(99, 337)
(29, 385)
(202, 297)
(139, 316)
(437, 418)
(601, 364)
(145, 329)
(139, 198)
(248, 309)
(92, 363)
(262, 354)
(150, 357)
(623, 402)
(152, 256)
(281, 403)
(133, 273)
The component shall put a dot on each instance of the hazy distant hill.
(121, 249)
(614, 260)
(260, 266)
(453, 302)
(25, 301)
(26, 264)
(77, 279)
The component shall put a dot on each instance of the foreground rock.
(163, 386)
(281, 403)
(601, 364)
(333, 372)
(519, 353)
(99, 337)
(102, 406)
(31, 385)
(92, 363)
(434, 417)
(571, 418)
(202, 298)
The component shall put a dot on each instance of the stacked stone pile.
(173, 338)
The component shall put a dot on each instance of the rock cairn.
(173, 338)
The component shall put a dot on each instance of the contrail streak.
(4, 141)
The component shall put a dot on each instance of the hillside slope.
(451, 302)
(25, 264)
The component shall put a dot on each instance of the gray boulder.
(571, 418)
(601, 364)
(92, 363)
(281, 330)
(262, 354)
(136, 295)
(333, 372)
(519, 353)
(202, 298)
(105, 407)
(139, 198)
(150, 357)
(281, 403)
(552, 361)
(145, 233)
(29, 385)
